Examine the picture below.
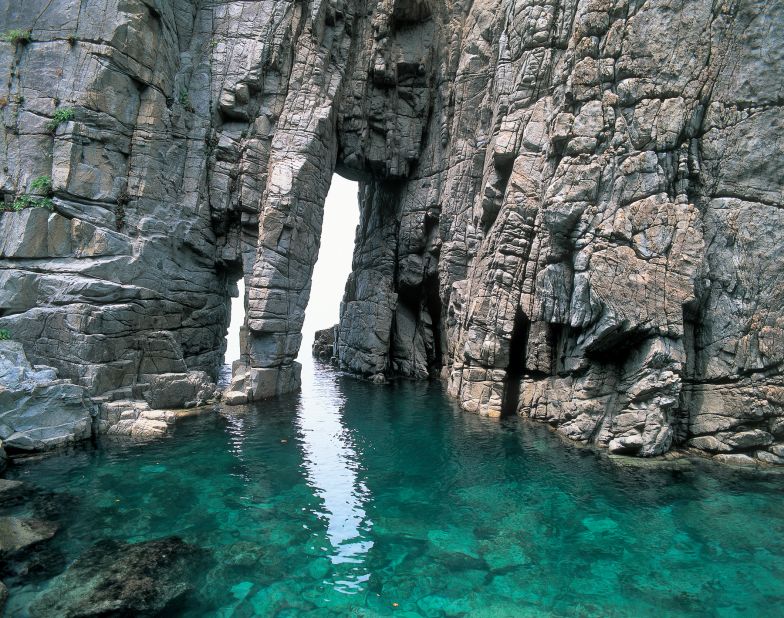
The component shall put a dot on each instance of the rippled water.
(354, 499)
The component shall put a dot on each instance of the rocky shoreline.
(88, 419)
(39, 411)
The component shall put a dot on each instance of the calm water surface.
(351, 499)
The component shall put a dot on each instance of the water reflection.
(332, 467)
(470, 516)
(235, 428)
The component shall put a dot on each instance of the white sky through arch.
(341, 216)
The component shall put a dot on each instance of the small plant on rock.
(5, 334)
(42, 185)
(61, 115)
(185, 100)
(16, 36)
(32, 201)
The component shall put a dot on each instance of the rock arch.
(588, 169)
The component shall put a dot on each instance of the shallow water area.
(355, 499)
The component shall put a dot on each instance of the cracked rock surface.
(569, 210)
(37, 409)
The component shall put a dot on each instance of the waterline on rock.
(351, 497)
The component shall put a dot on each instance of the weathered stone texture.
(612, 286)
(323, 347)
(38, 410)
(569, 209)
(120, 282)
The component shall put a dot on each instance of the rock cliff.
(570, 210)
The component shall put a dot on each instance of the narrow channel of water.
(355, 499)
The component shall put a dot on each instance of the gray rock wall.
(569, 210)
(120, 281)
(37, 409)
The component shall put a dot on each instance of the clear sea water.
(350, 499)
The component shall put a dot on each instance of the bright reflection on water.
(333, 470)
(355, 499)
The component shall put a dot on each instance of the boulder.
(38, 410)
(735, 459)
(324, 344)
(179, 390)
(770, 458)
(256, 384)
(128, 417)
(18, 534)
(113, 578)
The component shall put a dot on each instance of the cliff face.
(569, 210)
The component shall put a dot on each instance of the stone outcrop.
(133, 418)
(570, 210)
(323, 346)
(38, 410)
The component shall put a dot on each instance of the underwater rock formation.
(570, 210)
(17, 534)
(113, 578)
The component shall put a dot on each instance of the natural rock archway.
(576, 201)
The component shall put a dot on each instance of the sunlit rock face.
(38, 410)
(569, 210)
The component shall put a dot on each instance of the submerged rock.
(10, 489)
(121, 579)
(3, 596)
(18, 534)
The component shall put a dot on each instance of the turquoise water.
(351, 499)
